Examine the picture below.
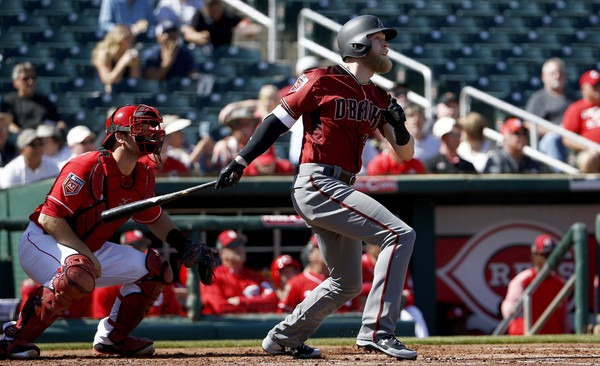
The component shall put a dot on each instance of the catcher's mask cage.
(352, 38)
(143, 123)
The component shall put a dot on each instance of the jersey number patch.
(72, 185)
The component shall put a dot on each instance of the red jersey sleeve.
(572, 118)
(69, 191)
(301, 97)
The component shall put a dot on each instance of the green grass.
(559, 338)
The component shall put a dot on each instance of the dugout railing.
(576, 237)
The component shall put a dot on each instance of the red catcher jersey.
(71, 193)
(339, 115)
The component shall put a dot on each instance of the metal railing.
(576, 237)
(270, 22)
(469, 92)
(304, 43)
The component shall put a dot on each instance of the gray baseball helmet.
(352, 38)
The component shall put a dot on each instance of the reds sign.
(479, 272)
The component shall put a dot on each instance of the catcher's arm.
(192, 253)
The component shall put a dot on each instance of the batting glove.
(394, 115)
(230, 175)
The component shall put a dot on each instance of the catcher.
(66, 249)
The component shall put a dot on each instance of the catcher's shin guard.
(74, 280)
(134, 306)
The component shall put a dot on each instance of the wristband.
(177, 240)
(401, 135)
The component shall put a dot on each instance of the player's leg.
(66, 276)
(341, 254)
(143, 277)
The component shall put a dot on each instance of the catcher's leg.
(133, 303)
(75, 279)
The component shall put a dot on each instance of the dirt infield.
(480, 354)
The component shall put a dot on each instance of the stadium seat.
(104, 102)
(476, 9)
(10, 39)
(51, 38)
(26, 23)
(84, 86)
(169, 103)
(56, 71)
(25, 52)
(11, 7)
(138, 88)
(236, 55)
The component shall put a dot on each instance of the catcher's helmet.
(352, 38)
(281, 262)
(132, 119)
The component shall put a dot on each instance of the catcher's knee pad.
(76, 279)
(136, 305)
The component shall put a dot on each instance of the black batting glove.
(230, 175)
(394, 115)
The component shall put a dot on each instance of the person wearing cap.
(283, 268)
(169, 164)
(410, 312)
(237, 289)
(446, 106)
(80, 140)
(447, 160)
(511, 159)
(550, 103)
(55, 147)
(558, 322)
(241, 122)
(31, 165)
(168, 59)
(583, 118)
(314, 273)
(27, 107)
(7, 148)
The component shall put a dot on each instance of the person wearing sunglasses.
(447, 160)
(31, 165)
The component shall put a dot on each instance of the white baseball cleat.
(390, 346)
(299, 351)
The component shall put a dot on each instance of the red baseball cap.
(543, 244)
(231, 239)
(135, 238)
(590, 77)
(513, 125)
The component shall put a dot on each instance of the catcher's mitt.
(197, 253)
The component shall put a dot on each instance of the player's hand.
(394, 115)
(230, 175)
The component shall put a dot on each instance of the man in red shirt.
(237, 289)
(66, 246)
(558, 323)
(583, 117)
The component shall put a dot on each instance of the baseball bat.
(132, 208)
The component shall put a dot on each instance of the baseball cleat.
(390, 346)
(19, 349)
(130, 347)
(299, 351)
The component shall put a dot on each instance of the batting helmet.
(131, 119)
(352, 38)
(281, 262)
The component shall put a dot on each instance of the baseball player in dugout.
(66, 247)
(341, 108)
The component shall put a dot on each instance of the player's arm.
(273, 125)
(395, 131)
(63, 234)
(404, 152)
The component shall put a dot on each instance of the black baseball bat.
(132, 208)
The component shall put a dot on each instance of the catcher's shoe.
(130, 347)
(299, 351)
(390, 346)
(18, 348)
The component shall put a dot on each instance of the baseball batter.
(66, 249)
(341, 109)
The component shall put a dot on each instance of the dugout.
(447, 212)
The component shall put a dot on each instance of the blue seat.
(26, 23)
(25, 52)
(56, 71)
(51, 38)
(104, 102)
(236, 55)
(138, 88)
(11, 7)
(169, 103)
(84, 86)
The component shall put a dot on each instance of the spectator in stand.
(400, 92)
(558, 323)
(168, 59)
(79, 309)
(511, 159)
(315, 271)
(242, 123)
(550, 103)
(237, 289)
(7, 148)
(447, 106)
(178, 11)
(447, 160)
(137, 14)
(31, 165)
(116, 57)
(28, 108)
(409, 311)
(474, 147)
(583, 118)
(214, 25)
(103, 298)
(196, 158)
(388, 162)
(80, 140)
(54, 146)
(426, 145)
(283, 268)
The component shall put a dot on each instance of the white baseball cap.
(176, 125)
(443, 126)
(77, 134)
